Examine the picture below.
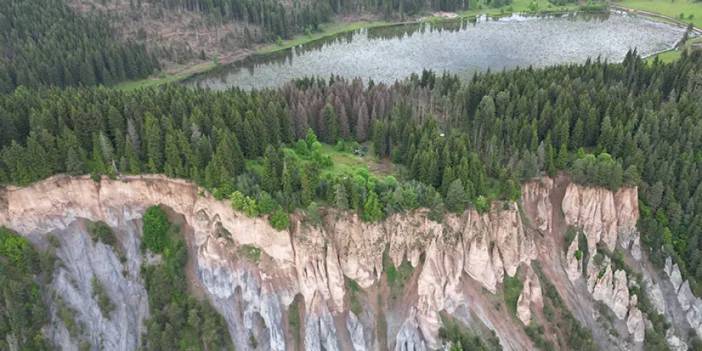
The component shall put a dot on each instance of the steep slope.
(364, 285)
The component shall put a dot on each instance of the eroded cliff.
(457, 267)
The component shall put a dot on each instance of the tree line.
(283, 19)
(47, 43)
(607, 124)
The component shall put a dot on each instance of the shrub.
(250, 252)
(100, 231)
(17, 250)
(156, 227)
(243, 203)
(512, 289)
(280, 219)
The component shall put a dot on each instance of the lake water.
(389, 54)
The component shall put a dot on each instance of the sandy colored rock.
(530, 296)
(459, 261)
(635, 322)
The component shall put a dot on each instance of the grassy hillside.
(687, 11)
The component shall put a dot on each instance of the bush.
(243, 203)
(280, 219)
(512, 289)
(100, 231)
(156, 228)
(15, 248)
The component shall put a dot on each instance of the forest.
(46, 43)
(459, 145)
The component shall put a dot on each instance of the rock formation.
(458, 265)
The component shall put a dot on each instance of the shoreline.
(193, 70)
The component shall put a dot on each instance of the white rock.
(685, 296)
(674, 342)
(676, 277)
(355, 329)
(655, 294)
(620, 296)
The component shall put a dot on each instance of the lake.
(391, 53)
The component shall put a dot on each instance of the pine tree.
(456, 197)
(340, 198)
(152, 135)
(372, 210)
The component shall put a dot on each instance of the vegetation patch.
(251, 253)
(177, 320)
(156, 230)
(396, 276)
(103, 300)
(67, 315)
(100, 231)
(459, 337)
(294, 321)
(23, 313)
(512, 287)
(570, 234)
(568, 330)
(354, 291)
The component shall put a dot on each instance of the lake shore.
(332, 29)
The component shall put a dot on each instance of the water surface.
(392, 53)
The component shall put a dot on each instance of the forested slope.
(47, 43)
(470, 142)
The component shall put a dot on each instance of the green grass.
(668, 8)
(519, 6)
(666, 56)
(674, 54)
(165, 77)
(344, 162)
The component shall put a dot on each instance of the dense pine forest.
(46, 43)
(459, 144)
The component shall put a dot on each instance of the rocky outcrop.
(312, 260)
(536, 198)
(82, 261)
(690, 305)
(635, 321)
(602, 214)
(458, 262)
(529, 298)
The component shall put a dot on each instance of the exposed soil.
(553, 267)
(492, 311)
(178, 36)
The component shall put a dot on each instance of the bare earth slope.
(457, 267)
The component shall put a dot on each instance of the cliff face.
(456, 267)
